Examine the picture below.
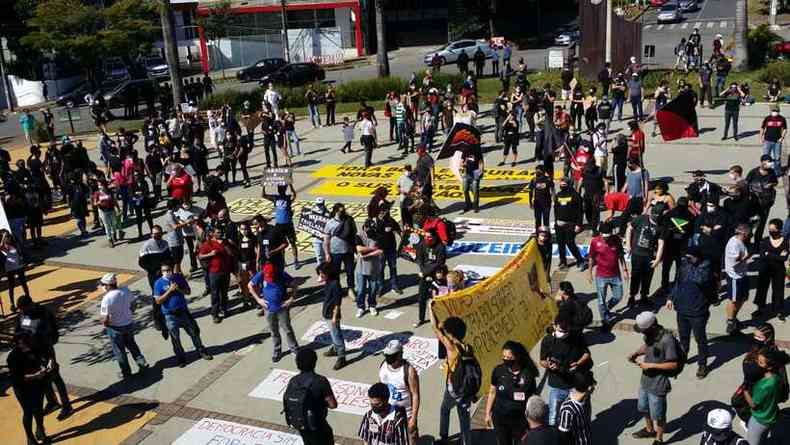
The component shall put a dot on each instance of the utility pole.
(286, 48)
(741, 29)
(6, 85)
(381, 41)
(171, 51)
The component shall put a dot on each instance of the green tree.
(216, 25)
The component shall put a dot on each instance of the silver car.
(450, 52)
(689, 5)
(567, 38)
(669, 12)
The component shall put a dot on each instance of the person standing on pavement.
(431, 255)
(773, 251)
(512, 383)
(270, 288)
(463, 63)
(319, 207)
(320, 398)
(736, 258)
(339, 241)
(186, 217)
(541, 190)
(619, 88)
(764, 397)
(480, 62)
(369, 269)
(386, 228)
(605, 78)
(28, 371)
(644, 242)
(635, 95)
(732, 105)
(384, 423)
(330, 311)
(705, 88)
(28, 123)
(42, 326)
(473, 170)
(216, 252)
(331, 100)
(593, 185)
(772, 135)
(607, 269)
(273, 98)
(170, 292)
(657, 358)
(689, 300)
(568, 220)
(116, 316)
(283, 216)
(368, 137)
(719, 431)
(762, 182)
(575, 424)
(404, 385)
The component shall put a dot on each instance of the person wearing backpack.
(659, 358)
(580, 315)
(718, 430)
(306, 400)
(404, 385)
(512, 384)
(462, 376)
(689, 300)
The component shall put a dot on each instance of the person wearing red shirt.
(434, 222)
(216, 252)
(180, 184)
(636, 141)
(606, 258)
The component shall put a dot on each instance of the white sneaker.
(360, 313)
(374, 311)
(742, 424)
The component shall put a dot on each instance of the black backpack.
(682, 356)
(467, 377)
(299, 406)
(451, 231)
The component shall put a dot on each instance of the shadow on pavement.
(610, 423)
(118, 416)
(692, 422)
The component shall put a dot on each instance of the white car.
(567, 38)
(669, 12)
(450, 52)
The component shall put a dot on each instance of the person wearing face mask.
(732, 104)
(562, 355)
(339, 241)
(773, 256)
(657, 357)
(578, 313)
(607, 269)
(764, 396)
(384, 423)
(545, 247)
(643, 239)
(702, 191)
(216, 251)
(186, 217)
(108, 208)
(736, 258)
(568, 222)
(403, 383)
(431, 254)
(512, 384)
(169, 293)
(762, 182)
(764, 338)
(678, 225)
(772, 135)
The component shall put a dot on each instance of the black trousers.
(367, 142)
(731, 117)
(529, 116)
(219, 283)
(619, 175)
(671, 256)
(31, 400)
(191, 248)
(270, 150)
(423, 296)
(243, 166)
(771, 274)
(57, 380)
(577, 113)
(143, 213)
(347, 261)
(330, 113)
(762, 214)
(566, 238)
(697, 325)
(592, 209)
(229, 165)
(542, 215)
(509, 429)
(641, 275)
(323, 436)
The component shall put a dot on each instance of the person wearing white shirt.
(465, 116)
(368, 138)
(116, 316)
(273, 98)
(601, 153)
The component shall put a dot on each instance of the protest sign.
(3, 218)
(312, 222)
(273, 177)
(513, 304)
(352, 397)
(421, 352)
(220, 432)
(515, 193)
(260, 206)
(384, 172)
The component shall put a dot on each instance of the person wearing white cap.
(117, 318)
(404, 385)
(719, 429)
(658, 357)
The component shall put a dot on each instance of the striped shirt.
(400, 113)
(575, 421)
(391, 429)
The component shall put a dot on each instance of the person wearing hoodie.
(568, 222)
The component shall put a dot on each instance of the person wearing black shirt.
(473, 167)
(593, 187)
(154, 169)
(269, 136)
(271, 246)
(732, 105)
(329, 275)
(463, 63)
(577, 108)
(541, 189)
(702, 191)
(539, 433)
(386, 228)
(644, 239)
(510, 135)
(431, 255)
(618, 96)
(762, 184)
(330, 99)
(678, 225)
(605, 78)
(740, 206)
(512, 384)
(545, 247)
(568, 222)
(29, 370)
(532, 108)
(562, 354)
(773, 256)
(321, 398)
(500, 114)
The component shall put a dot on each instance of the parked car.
(450, 52)
(115, 69)
(259, 69)
(294, 74)
(567, 38)
(139, 88)
(657, 3)
(783, 49)
(669, 12)
(76, 96)
(156, 68)
(689, 5)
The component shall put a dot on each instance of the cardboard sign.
(277, 176)
(312, 222)
(219, 432)
(352, 397)
(556, 58)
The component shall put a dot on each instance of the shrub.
(40, 134)
(776, 70)
(759, 43)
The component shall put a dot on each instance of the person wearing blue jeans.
(451, 333)
(772, 134)
(116, 316)
(607, 266)
(473, 172)
(464, 418)
(369, 269)
(330, 312)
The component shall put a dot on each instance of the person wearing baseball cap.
(658, 357)
(116, 316)
(404, 384)
(718, 430)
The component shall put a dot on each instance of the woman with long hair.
(764, 397)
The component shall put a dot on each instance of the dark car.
(295, 74)
(259, 69)
(76, 96)
(139, 88)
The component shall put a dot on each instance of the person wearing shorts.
(736, 257)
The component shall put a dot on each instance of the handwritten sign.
(352, 397)
(312, 222)
(219, 432)
(556, 58)
(421, 352)
(277, 176)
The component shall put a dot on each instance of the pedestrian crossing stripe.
(698, 25)
(723, 24)
(660, 27)
(648, 26)
(514, 193)
(710, 24)
(684, 26)
(672, 26)
(337, 171)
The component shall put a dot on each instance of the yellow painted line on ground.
(249, 207)
(513, 193)
(337, 171)
(98, 423)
